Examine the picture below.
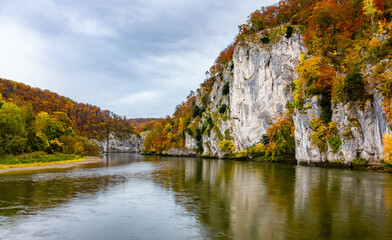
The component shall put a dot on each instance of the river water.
(130, 196)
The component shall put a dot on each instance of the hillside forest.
(34, 120)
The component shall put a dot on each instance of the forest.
(349, 51)
(35, 123)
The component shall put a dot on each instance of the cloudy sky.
(138, 58)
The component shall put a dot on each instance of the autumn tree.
(281, 146)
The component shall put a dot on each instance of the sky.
(138, 58)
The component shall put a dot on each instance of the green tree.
(42, 121)
(1, 101)
(12, 130)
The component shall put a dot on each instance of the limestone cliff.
(260, 80)
(133, 143)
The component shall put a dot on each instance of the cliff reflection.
(244, 200)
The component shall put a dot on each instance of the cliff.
(308, 81)
(132, 144)
(260, 79)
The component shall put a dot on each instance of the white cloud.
(137, 58)
(139, 98)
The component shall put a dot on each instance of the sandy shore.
(88, 160)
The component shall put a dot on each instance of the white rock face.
(360, 131)
(260, 88)
(133, 143)
(303, 146)
(190, 142)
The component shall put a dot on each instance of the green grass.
(36, 157)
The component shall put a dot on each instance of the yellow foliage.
(254, 151)
(320, 133)
(387, 140)
(338, 89)
(226, 146)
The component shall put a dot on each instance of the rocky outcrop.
(261, 87)
(360, 130)
(133, 143)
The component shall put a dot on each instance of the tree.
(12, 130)
(281, 146)
(1, 101)
(387, 140)
(370, 10)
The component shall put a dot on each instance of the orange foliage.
(226, 55)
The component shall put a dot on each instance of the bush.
(289, 31)
(196, 111)
(226, 89)
(91, 149)
(387, 140)
(226, 146)
(265, 40)
(72, 144)
(355, 86)
(281, 145)
(222, 109)
(335, 143)
(359, 162)
(55, 146)
(265, 139)
(189, 131)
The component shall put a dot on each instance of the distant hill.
(141, 121)
(88, 120)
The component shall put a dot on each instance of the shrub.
(226, 146)
(55, 146)
(355, 86)
(222, 109)
(289, 31)
(265, 139)
(189, 131)
(359, 162)
(196, 111)
(225, 89)
(90, 149)
(335, 143)
(320, 134)
(265, 40)
(281, 146)
(387, 140)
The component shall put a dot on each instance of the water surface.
(130, 196)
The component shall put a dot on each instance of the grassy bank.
(37, 159)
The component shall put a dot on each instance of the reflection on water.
(131, 196)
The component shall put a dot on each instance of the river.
(131, 196)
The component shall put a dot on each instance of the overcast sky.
(138, 58)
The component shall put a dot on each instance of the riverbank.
(358, 164)
(49, 165)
